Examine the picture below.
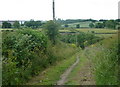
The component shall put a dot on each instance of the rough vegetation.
(81, 39)
(106, 62)
(27, 52)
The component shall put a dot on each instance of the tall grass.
(105, 58)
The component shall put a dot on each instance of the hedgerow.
(28, 52)
(82, 39)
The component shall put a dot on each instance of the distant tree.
(6, 25)
(110, 24)
(102, 20)
(22, 24)
(99, 25)
(66, 25)
(90, 20)
(33, 24)
(52, 30)
(38, 24)
(78, 26)
(16, 24)
(81, 39)
(91, 25)
(118, 20)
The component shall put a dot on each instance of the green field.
(107, 31)
(98, 30)
(101, 31)
(6, 29)
(82, 24)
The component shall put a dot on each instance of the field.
(98, 30)
(82, 24)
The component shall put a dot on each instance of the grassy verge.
(104, 56)
(51, 75)
(106, 62)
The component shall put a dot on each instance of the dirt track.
(66, 73)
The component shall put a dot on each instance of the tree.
(110, 24)
(6, 25)
(81, 39)
(16, 24)
(91, 25)
(33, 24)
(52, 30)
(99, 25)
(66, 25)
(78, 26)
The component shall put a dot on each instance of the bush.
(82, 39)
(52, 31)
(6, 25)
(27, 52)
(23, 51)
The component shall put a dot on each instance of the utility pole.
(53, 10)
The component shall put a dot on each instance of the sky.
(64, 9)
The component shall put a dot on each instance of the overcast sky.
(65, 9)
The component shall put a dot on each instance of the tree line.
(112, 24)
(30, 24)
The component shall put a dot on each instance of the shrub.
(52, 30)
(82, 39)
(23, 51)
(27, 52)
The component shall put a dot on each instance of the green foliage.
(82, 39)
(23, 52)
(106, 62)
(78, 26)
(66, 25)
(91, 25)
(33, 24)
(111, 24)
(6, 25)
(28, 52)
(68, 38)
(99, 25)
(16, 24)
(51, 28)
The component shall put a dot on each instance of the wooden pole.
(53, 10)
